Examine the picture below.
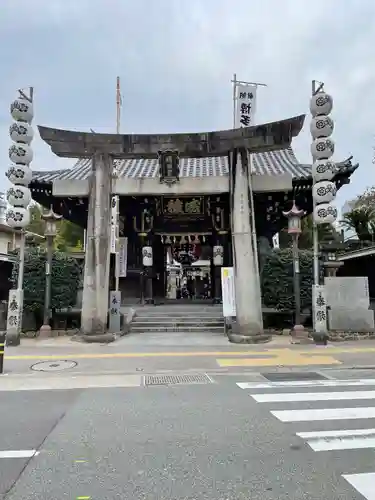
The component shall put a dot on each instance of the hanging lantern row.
(322, 149)
(21, 155)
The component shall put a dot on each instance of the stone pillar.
(97, 255)
(147, 261)
(218, 261)
(249, 323)
(172, 284)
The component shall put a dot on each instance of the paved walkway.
(120, 357)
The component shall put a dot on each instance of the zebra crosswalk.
(283, 398)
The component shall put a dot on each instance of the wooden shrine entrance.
(185, 273)
(171, 247)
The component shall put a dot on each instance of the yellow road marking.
(319, 352)
(149, 354)
(127, 355)
(287, 358)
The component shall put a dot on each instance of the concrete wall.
(7, 242)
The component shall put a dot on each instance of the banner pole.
(234, 81)
(237, 83)
(118, 124)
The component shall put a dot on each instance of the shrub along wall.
(65, 279)
(277, 279)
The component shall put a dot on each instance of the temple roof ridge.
(268, 163)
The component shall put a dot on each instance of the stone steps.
(184, 318)
(136, 328)
(178, 319)
(179, 316)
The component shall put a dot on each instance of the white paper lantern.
(19, 196)
(321, 104)
(323, 170)
(22, 110)
(17, 217)
(147, 256)
(321, 126)
(324, 191)
(322, 148)
(218, 255)
(19, 174)
(325, 213)
(21, 153)
(21, 132)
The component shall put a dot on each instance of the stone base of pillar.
(237, 338)
(300, 335)
(247, 335)
(45, 332)
(320, 338)
(12, 339)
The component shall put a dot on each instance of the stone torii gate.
(104, 148)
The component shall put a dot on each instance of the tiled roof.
(270, 163)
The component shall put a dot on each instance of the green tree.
(69, 235)
(66, 276)
(326, 232)
(362, 221)
(366, 199)
(37, 224)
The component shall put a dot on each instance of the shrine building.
(184, 207)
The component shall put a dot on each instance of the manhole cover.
(177, 379)
(296, 376)
(53, 366)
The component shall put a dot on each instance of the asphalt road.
(187, 442)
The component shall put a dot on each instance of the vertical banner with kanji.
(123, 257)
(245, 109)
(114, 223)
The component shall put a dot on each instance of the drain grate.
(177, 379)
(292, 377)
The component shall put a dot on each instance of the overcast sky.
(176, 59)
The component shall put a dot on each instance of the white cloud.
(176, 60)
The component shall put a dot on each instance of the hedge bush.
(65, 280)
(277, 279)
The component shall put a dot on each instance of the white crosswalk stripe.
(363, 483)
(279, 395)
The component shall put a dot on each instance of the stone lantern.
(294, 216)
(50, 232)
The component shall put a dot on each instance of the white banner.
(114, 222)
(245, 109)
(228, 292)
(276, 241)
(123, 257)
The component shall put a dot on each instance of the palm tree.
(362, 221)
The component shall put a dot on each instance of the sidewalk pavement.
(63, 354)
